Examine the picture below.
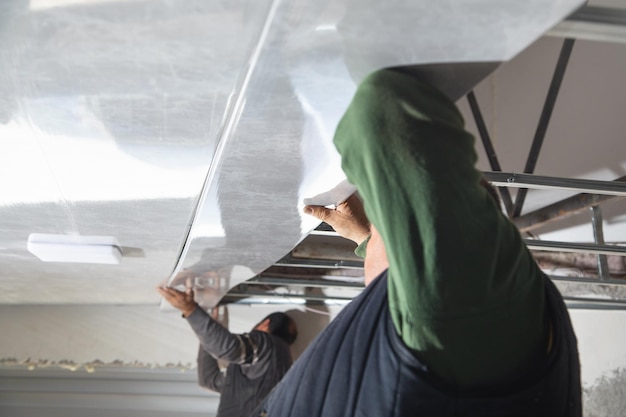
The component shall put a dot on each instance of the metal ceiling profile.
(604, 24)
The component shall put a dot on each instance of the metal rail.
(510, 179)
(318, 263)
(310, 283)
(594, 303)
(604, 24)
(594, 248)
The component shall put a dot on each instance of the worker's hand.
(348, 218)
(181, 300)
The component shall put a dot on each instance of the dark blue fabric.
(359, 366)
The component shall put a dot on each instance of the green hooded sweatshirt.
(464, 291)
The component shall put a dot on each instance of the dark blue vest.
(359, 366)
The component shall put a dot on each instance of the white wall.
(143, 338)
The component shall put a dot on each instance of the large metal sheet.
(278, 148)
(138, 118)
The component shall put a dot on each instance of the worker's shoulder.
(259, 337)
(269, 349)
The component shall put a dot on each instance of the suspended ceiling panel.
(192, 130)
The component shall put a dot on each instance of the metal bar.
(595, 300)
(593, 23)
(591, 304)
(598, 235)
(544, 119)
(284, 301)
(489, 149)
(562, 209)
(318, 263)
(295, 282)
(609, 15)
(588, 280)
(308, 297)
(509, 179)
(593, 248)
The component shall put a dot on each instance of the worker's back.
(359, 366)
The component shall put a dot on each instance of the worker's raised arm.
(213, 337)
(458, 269)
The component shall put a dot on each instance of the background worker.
(256, 360)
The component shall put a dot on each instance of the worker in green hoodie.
(456, 317)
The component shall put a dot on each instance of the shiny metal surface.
(278, 150)
(192, 130)
(110, 113)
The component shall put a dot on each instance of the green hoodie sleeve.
(463, 290)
